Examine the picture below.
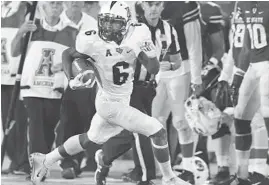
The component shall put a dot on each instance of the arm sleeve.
(192, 31)
(174, 48)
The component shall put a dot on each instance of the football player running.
(114, 48)
(250, 88)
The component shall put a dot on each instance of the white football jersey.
(115, 63)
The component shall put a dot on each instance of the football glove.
(237, 80)
(77, 83)
(222, 95)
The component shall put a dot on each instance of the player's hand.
(222, 95)
(237, 80)
(90, 83)
(77, 82)
(56, 68)
(165, 66)
(234, 95)
(26, 27)
(197, 89)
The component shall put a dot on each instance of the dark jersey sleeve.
(179, 13)
(212, 17)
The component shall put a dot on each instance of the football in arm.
(83, 66)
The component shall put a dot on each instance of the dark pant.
(141, 99)
(17, 138)
(43, 117)
(77, 110)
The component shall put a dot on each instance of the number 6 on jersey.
(120, 77)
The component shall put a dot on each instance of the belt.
(152, 83)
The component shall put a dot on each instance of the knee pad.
(242, 126)
(243, 138)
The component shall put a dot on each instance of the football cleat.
(135, 175)
(102, 169)
(187, 176)
(175, 181)
(236, 181)
(258, 179)
(38, 169)
(222, 176)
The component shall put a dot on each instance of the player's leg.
(258, 153)
(264, 91)
(141, 123)
(143, 156)
(178, 92)
(160, 108)
(99, 133)
(248, 104)
(222, 145)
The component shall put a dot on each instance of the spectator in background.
(92, 8)
(42, 75)
(12, 17)
(77, 107)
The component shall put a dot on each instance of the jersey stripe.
(192, 15)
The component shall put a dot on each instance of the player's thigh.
(135, 121)
(178, 92)
(159, 111)
(264, 92)
(100, 130)
(249, 96)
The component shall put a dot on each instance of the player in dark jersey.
(250, 88)
(214, 49)
(212, 24)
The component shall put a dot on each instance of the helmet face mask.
(111, 27)
(113, 21)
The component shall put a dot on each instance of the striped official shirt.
(185, 17)
(164, 37)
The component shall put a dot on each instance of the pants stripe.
(140, 157)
